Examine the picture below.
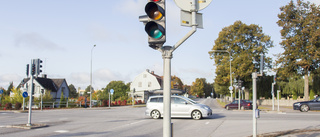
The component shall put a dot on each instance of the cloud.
(11, 78)
(35, 41)
(315, 1)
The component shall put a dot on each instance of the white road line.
(61, 131)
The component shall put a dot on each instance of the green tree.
(201, 88)
(300, 33)
(120, 89)
(243, 42)
(7, 92)
(73, 91)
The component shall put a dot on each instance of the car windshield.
(190, 100)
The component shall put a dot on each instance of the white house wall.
(147, 80)
(65, 92)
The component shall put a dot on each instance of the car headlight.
(205, 107)
(297, 104)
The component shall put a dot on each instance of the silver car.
(180, 107)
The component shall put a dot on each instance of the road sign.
(186, 19)
(25, 94)
(111, 91)
(230, 88)
(1, 91)
(186, 5)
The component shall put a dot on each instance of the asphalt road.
(131, 121)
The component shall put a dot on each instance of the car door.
(234, 104)
(316, 104)
(180, 107)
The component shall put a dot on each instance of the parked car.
(305, 106)
(180, 107)
(244, 104)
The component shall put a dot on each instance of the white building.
(56, 87)
(146, 84)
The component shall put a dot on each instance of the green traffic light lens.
(155, 33)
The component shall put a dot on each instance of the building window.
(144, 75)
(140, 84)
(149, 84)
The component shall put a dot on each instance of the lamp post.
(91, 77)
(230, 69)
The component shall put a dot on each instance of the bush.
(139, 102)
(124, 102)
(105, 103)
(8, 106)
(18, 106)
(119, 102)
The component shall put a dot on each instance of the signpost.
(24, 95)
(1, 91)
(155, 27)
(111, 91)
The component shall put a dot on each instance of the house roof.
(49, 84)
(159, 78)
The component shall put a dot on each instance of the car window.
(176, 100)
(235, 102)
(156, 99)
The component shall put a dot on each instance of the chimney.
(152, 72)
(44, 75)
(147, 70)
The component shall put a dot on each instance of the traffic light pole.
(30, 100)
(167, 56)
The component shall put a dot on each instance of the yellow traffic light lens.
(156, 15)
(154, 11)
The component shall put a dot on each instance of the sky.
(63, 34)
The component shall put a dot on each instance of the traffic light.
(27, 71)
(39, 66)
(155, 23)
(33, 69)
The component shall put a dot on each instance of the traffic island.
(25, 126)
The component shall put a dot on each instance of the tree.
(243, 42)
(120, 89)
(7, 92)
(201, 88)
(300, 33)
(176, 83)
(73, 91)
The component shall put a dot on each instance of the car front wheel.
(155, 114)
(304, 108)
(196, 115)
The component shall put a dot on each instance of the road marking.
(61, 131)
(207, 123)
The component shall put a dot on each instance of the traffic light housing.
(33, 69)
(39, 66)
(27, 70)
(155, 23)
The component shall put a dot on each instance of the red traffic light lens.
(155, 0)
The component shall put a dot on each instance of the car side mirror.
(186, 103)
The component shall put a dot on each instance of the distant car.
(244, 104)
(180, 107)
(305, 106)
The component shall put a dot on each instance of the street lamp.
(91, 77)
(230, 88)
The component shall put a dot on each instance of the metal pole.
(41, 101)
(272, 94)
(30, 102)
(278, 100)
(109, 99)
(91, 77)
(133, 96)
(239, 100)
(167, 56)
(230, 76)
(254, 103)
